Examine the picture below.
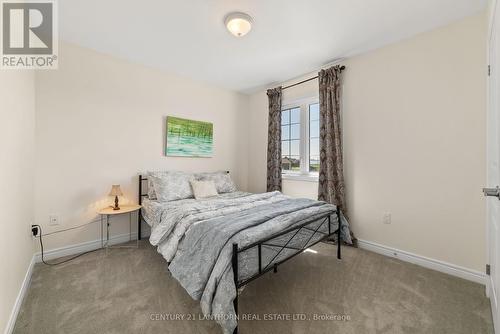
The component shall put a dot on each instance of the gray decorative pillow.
(203, 189)
(151, 188)
(171, 186)
(222, 180)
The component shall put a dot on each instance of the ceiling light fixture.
(238, 24)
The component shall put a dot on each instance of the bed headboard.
(141, 195)
(143, 192)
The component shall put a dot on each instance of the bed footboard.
(269, 253)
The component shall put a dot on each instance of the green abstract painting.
(188, 138)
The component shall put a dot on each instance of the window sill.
(301, 177)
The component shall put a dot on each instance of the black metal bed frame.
(267, 242)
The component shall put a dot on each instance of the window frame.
(304, 147)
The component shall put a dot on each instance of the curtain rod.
(306, 80)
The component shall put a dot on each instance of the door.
(493, 164)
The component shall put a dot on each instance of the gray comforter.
(197, 238)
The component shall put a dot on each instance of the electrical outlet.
(54, 220)
(35, 231)
(387, 218)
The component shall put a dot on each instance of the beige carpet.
(131, 291)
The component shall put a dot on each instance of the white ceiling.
(289, 37)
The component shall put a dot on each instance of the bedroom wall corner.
(17, 122)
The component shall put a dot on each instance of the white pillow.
(222, 180)
(203, 189)
(172, 186)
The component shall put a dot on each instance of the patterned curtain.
(274, 140)
(331, 174)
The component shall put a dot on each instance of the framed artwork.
(188, 138)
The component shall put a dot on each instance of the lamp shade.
(115, 190)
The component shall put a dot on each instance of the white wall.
(100, 121)
(414, 143)
(17, 130)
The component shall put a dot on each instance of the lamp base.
(116, 207)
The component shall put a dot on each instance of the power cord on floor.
(60, 262)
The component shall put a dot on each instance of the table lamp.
(116, 191)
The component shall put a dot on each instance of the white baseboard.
(444, 267)
(82, 247)
(20, 297)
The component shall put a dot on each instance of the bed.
(215, 246)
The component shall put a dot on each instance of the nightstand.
(106, 213)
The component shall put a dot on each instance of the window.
(300, 139)
(290, 139)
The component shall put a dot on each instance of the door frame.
(492, 17)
